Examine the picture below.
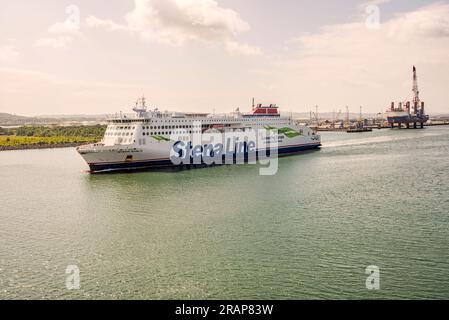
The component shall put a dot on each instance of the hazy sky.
(98, 56)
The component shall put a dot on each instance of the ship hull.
(110, 161)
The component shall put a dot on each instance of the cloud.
(8, 54)
(352, 64)
(95, 22)
(236, 48)
(62, 34)
(430, 22)
(356, 40)
(31, 92)
(177, 22)
(57, 43)
(67, 27)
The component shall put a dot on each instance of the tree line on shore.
(42, 135)
(56, 131)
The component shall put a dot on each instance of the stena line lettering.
(228, 148)
(184, 152)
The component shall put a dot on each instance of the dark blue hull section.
(167, 164)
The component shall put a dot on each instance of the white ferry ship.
(150, 138)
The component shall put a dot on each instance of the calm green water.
(310, 231)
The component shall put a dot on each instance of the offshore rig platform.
(404, 114)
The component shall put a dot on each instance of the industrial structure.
(404, 114)
(360, 126)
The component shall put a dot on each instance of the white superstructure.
(149, 137)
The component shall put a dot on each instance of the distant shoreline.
(41, 146)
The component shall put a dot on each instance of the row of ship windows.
(121, 128)
(170, 132)
(169, 127)
(119, 134)
(270, 119)
(121, 140)
(221, 120)
(187, 131)
(111, 132)
(183, 126)
(144, 141)
(123, 134)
